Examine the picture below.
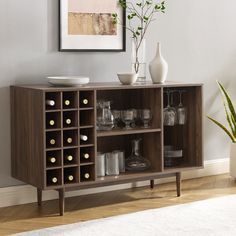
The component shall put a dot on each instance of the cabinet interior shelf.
(126, 132)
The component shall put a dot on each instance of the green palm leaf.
(229, 102)
(228, 117)
(224, 128)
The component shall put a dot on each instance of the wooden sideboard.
(34, 140)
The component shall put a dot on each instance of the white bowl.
(68, 80)
(127, 78)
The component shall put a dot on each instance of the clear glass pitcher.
(105, 118)
(136, 162)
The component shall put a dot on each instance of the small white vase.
(158, 67)
(232, 161)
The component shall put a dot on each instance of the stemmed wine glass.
(117, 118)
(127, 117)
(172, 105)
(181, 110)
(146, 117)
(169, 112)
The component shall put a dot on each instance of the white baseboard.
(23, 194)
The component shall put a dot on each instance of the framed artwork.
(86, 25)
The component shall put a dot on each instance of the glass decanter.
(135, 162)
(105, 118)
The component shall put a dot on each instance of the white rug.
(213, 217)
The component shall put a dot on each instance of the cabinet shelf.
(128, 175)
(86, 108)
(52, 111)
(119, 132)
(86, 163)
(86, 127)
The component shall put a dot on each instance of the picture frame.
(87, 26)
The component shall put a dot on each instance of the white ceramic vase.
(232, 161)
(158, 67)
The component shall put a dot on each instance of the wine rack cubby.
(70, 157)
(70, 119)
(87, 173)
(53, 159)
(70, 138)
(55, 140)
(53, 120)
(86, 99)
(54, 177)
(70, 100)
(87, 118)
(71, 175)
(87, 155)
(53, 101)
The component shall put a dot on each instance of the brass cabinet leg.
(152, 183)
(178, 183)
(61, 201)
(39, 196)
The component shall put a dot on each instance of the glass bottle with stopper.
(50, 103)
(67, 102)
(136, 162)
(70, 178)
(69, 158)
(52, 160)
(54, 180)
(85, 101)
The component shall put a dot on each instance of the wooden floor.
(29, 217)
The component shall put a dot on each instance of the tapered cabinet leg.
(39, 196)
(152, 183)
(178, 184)
(61, 201)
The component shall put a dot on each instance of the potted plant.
(140, 14)
(231, 131)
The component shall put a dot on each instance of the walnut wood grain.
(30, 132)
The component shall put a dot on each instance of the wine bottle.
(85, 101)
(84, 137)
(68, 121)
(69, 140)
(86, 175)
(52, 160)
(52, 141)
(85, 155)
(50, 103)
(54, 180)
(51, 122)
(69, 158)
(67, 102)
(70, 177)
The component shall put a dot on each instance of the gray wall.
(198, 40)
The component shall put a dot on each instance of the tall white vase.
(158, 67)
(232, 161)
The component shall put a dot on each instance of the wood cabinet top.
(105, 86)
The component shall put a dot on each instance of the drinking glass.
(136, 117)
(101, 164)
(146, 117)
(169, 113)
(121, 156)
(128, 118)
(112, 163)
(117, 118)
(181, 110)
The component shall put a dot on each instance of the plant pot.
(232, 161)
